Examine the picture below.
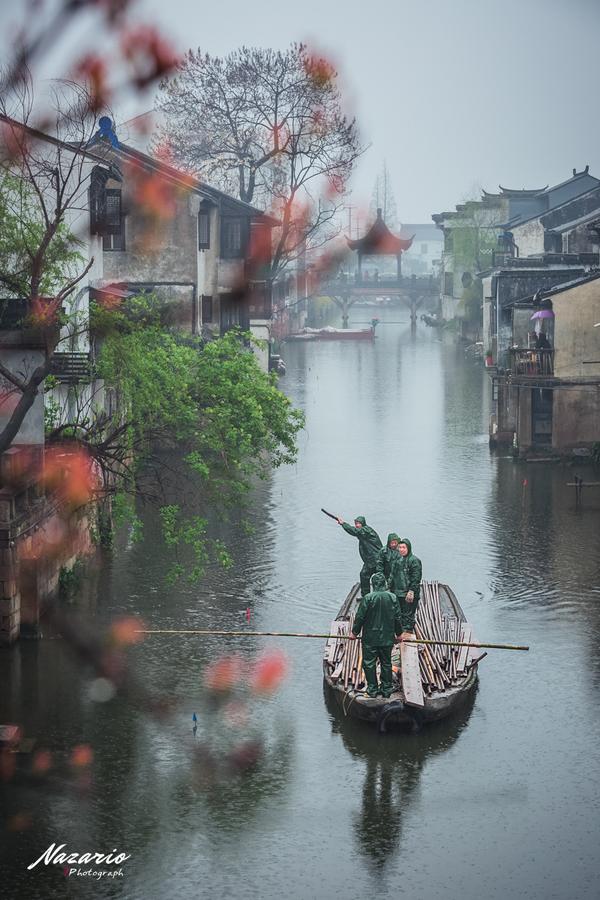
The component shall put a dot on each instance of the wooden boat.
(333, 334)
(430, 682)
(301, 336)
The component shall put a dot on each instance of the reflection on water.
(392, 771)
(494, 801)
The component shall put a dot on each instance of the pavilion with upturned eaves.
(379, 241)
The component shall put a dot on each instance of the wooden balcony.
(72, 367)
(534, 363)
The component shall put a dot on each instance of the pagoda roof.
(379, 240)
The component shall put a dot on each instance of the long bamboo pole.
(295, 634)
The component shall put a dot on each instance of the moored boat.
(430, 682)
(329, 333)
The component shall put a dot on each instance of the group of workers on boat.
(390, 583)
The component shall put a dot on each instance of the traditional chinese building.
(167, 232)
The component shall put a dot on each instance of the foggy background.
(453, 95)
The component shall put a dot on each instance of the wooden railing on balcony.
(531, 362)
(71, 366)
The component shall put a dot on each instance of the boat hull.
(395, 711)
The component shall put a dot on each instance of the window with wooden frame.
(207, 309)
(233, 236)
(204, 229)
(97, 200)
(114, 236)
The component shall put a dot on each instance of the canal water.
(500, 802)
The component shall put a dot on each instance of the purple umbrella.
(543, 314)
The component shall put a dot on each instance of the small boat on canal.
(329, 333)
(430, 682)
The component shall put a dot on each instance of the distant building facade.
(548, 399)
(424, 256)
(512, 219)
(206, 253)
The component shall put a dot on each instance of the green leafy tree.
(212, 401)
(33, 257)
(170, 391)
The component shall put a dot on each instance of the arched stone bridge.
(413, 291)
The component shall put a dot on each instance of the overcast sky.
(452, 93)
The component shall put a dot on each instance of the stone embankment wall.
(37, 541)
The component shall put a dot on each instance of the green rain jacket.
(369, 542)
(378, 616)
(386, 555)
(405, 574)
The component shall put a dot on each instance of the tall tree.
(43, 191)
(269, 126)
(383, 198)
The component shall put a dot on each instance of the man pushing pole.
(369, 545)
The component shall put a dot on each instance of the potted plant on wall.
(488, 358)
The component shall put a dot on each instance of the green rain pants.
(408, 611)
(370, 656)
(365, 579)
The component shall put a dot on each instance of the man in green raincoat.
(378, 617)
(369, 545)
(386, 556)
(405, 581)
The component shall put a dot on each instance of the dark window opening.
(114, 239)
(234, 313)
(553, 242)
(541, 416)
(449, 284)
(105, 205)
(203, 230)
(207, 309)
(233, 237)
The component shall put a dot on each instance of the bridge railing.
(422, 285)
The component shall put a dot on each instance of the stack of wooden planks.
(344, 656)
(441, 667)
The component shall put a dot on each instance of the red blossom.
(259, 252)
(268, 672)
(92, 69)
(13, 142)
(82, 756)
(44, 311)
(8, 400)
(68, 472)
(223, 674)
(125, 630)
(154, 196)
(319, 70)
(149, 55)
(42, 762)
(108, 301)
